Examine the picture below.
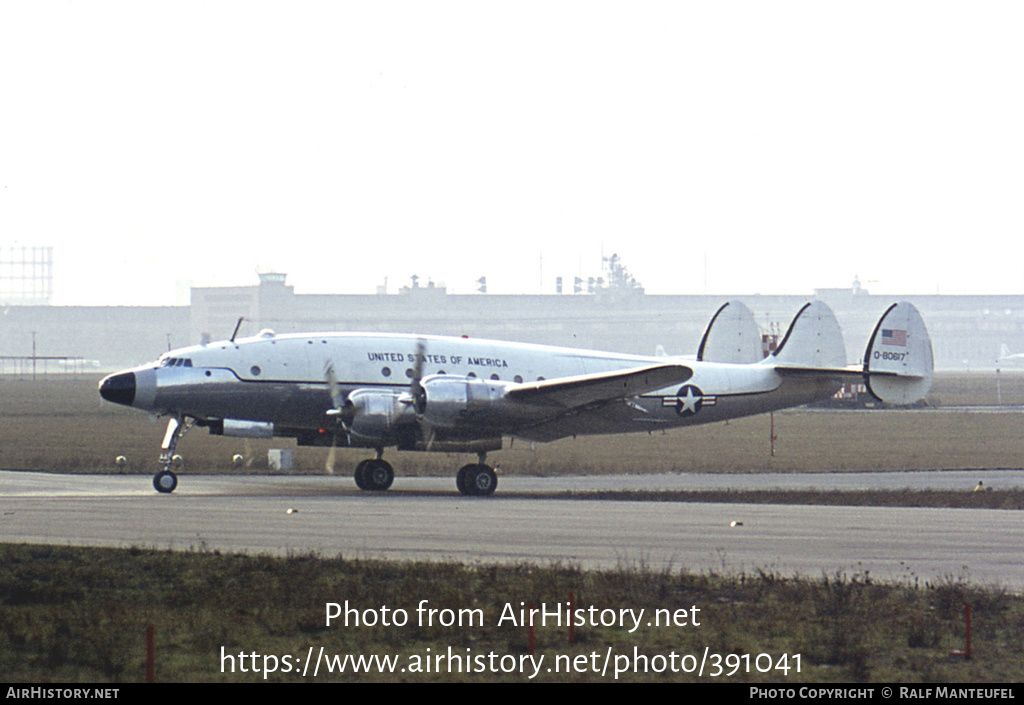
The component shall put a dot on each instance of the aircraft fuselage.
(280, 380)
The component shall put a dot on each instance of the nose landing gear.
(165, 481)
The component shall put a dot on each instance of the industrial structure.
(615, 314)
(26, 276)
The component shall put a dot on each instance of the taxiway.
(425, 518)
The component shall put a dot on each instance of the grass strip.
(79, 615)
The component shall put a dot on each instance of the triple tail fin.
(898, 362)
(813, 342)
(732, 336)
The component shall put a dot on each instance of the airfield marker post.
(150, 654)
(967, 620)
(966, 653)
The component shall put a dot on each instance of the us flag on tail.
(891, 336)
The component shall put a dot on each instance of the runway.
(425, 518)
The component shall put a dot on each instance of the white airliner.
(418, 392)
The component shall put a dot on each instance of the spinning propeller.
(345, 411)
(337, 412)
(416, 390)
(417, 395)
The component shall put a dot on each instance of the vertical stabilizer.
(813, 341)
(898, 362)
(732, 336)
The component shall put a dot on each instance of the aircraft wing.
(585, 391)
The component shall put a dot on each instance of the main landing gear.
(375, 474)
(477, 480)
(474, 480)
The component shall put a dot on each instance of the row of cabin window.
(518, 379)
(385, 371)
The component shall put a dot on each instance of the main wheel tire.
(477, 481)
(460, 479)
(360, 474)
(165, 481)
(377, 475)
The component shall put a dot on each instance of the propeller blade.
(329, 467)
(336, 399)
(419, 395)
(333, 387)
(428, 433)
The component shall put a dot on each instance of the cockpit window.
(176, 362)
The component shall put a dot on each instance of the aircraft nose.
(119, 388)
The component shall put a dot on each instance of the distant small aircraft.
(430, 393)
(1006, 356)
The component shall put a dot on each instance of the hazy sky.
(787, 145)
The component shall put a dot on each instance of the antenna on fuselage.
(237, 326)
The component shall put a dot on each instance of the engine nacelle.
(372, 415)
(451, 401)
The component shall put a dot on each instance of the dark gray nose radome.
(119, 388)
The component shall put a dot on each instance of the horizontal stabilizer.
(584, 390)
(732, 336)
(813, 341)
(898, 362)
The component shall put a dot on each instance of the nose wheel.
(165, 481)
